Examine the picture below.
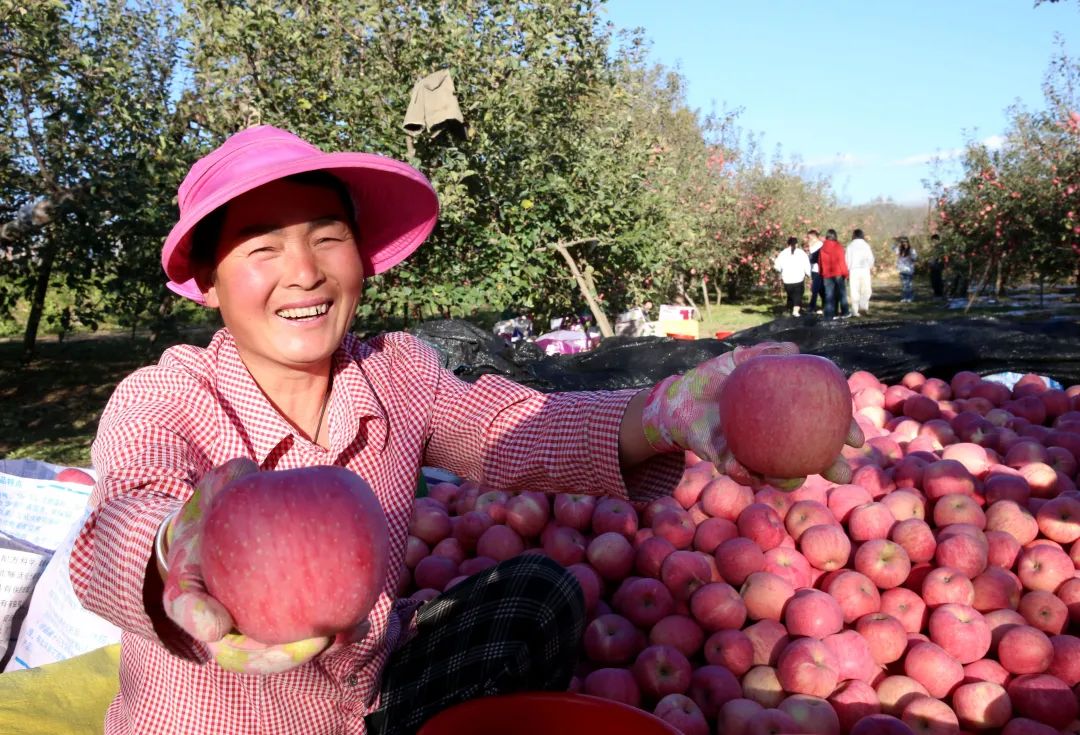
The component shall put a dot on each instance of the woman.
(905, 266)
(278, 236)
(794, 266)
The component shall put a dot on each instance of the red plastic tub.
(544, 713)
(723, 335)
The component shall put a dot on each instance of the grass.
(50, 406)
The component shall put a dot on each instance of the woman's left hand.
(682, 413)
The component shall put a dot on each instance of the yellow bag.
(65, 698)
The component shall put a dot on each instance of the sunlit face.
(288, 276)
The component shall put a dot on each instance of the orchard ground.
(50, 406)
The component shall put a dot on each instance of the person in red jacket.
(834, 274)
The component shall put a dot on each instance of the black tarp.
(887, 348)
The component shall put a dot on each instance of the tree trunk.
(37, 305)
(583, 281)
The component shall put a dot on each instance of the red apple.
(765, 595)
(737, 559)
(994, 589)
(575, 510)
(761, 524)
(812, 714)
(788, 564)
(934, 668)
(928, 716)
(731, 649)
(945, 585)
(806, 666)
(662, 670)
(958, 508)
(855, 593)
(807, 394)
(683, 714)
(986, 669)
(717, 606)
(894, 693)
(813, 613)
(852, 701)
(885, 636)
(736, 715)
(679, 631)
(1025, 650)
(853, 656)
(905, 606)
(885, 563)
(609, 553)
(1044, 611)
(961, 632)
(870, 521)
(725, 498)
(684, 572)
(295, 554)
(916, 538)
(712, 532)
(612, 639)
(825, 546)
(1044, 568)
(1043, 698)
(75, 475)
(614, 515)
(711, 687)
(769, 638)
(615, 684)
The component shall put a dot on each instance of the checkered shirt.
(393, 408)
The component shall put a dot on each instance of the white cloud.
(993, 142)
(840, 160)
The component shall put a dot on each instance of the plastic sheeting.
(887, 348)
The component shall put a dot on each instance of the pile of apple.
(937, 592)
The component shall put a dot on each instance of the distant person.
(937, 267)
(905, 266)
(817, 288)
(834, 272)
(794, 266)
(860, 262)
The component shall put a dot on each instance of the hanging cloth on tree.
(433, 105)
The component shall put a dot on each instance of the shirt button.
(350, 680)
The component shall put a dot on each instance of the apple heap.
(937, 592)
(295, 554)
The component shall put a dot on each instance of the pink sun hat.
(395, 206)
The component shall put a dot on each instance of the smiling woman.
(278, 236)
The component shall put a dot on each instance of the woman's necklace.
(322, 410)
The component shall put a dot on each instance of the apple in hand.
(295, 554)
(806, 394)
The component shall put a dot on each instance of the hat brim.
(396, 210)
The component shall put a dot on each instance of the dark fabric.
(836, 302)
(817, 288)
(514, 627)
(794, 294)
(833, 263)
(937, 282)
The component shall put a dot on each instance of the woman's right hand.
(188, 603)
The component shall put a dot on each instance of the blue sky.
(864, 92)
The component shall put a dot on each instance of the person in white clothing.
(794, 266)
(860, 261)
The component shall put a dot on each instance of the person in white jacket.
(860, 262)
(794, 266)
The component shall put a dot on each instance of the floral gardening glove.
(682, 412)
(191, 607)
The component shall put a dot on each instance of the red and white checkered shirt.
(393, 408)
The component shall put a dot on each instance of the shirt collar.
(352, 400)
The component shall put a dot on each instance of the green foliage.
(1013, 215)
(91, 136)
